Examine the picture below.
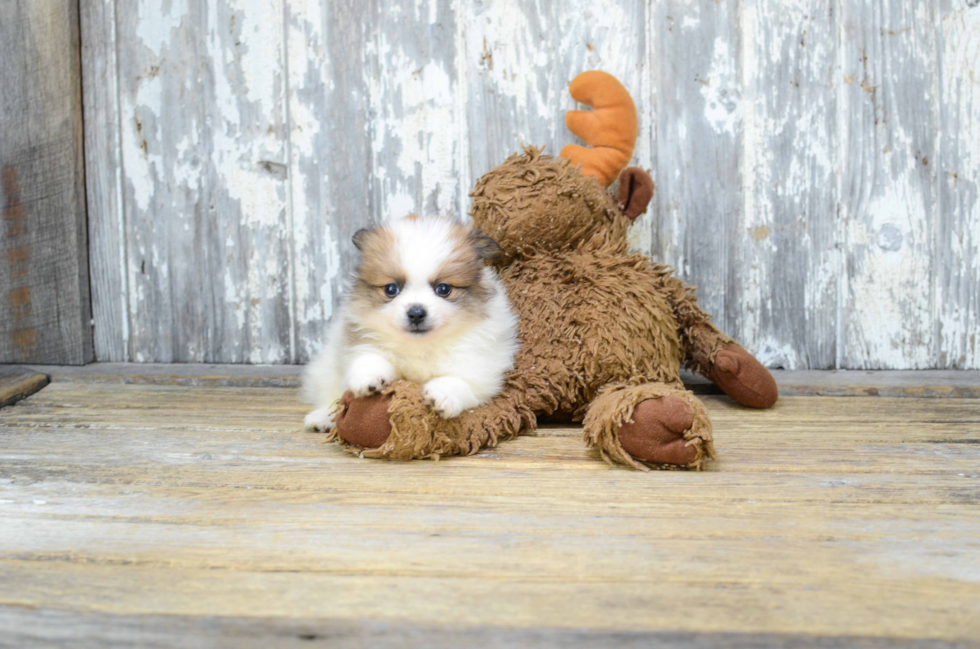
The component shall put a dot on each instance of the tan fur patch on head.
(463, 269)
(380, 263)
(463, 266)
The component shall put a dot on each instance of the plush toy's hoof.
(743, 378)
(364, 422)
(656, 433)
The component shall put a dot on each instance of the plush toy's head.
(538, 202)
(535, 201)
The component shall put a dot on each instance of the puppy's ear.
(360, 237)
(486, 247)
(634, 192)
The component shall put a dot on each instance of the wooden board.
(34, 628)
(103, 181)
(787, 259)
(207, 271)
(44, 283)
(958, 232)
(145, 513)
(889, 209)
(330, 167)
(699, 130)
(18, 382)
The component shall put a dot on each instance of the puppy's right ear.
(486, 247)
(360, 238)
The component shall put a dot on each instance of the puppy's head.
(422, 277)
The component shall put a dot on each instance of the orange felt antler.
(610, 128)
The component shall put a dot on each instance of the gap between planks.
(803, 383)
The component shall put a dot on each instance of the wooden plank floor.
(155, 515)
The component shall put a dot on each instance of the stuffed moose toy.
(604, 332)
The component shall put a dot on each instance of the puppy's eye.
(391, 289)
(443, 289)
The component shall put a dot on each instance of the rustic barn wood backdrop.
(817, 161)
(44, 285)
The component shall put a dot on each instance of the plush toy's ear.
(360, 237)
(634, 192)
(486, 247)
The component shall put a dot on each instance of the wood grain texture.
(103, 179)
(203, 121)
(787, 266)
(42, 628)
(699, 130)
(330, 160)
(816, 162)
(823, 518)
(410, 71)
(510, 98)
(45, 312)
(958, 233)
(890, 123)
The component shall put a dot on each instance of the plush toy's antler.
(609, 129)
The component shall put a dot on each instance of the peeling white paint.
(158, 21)
(142, 163)
(891, 214)
(720, 89)
(777, 353)
(308, 60)
(883, 316)
(414, 136)
(414, 133)
(958, 296)
(508, 49)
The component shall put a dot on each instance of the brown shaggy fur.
(602, 329)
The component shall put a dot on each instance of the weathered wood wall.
(817, 161)
(45, 312)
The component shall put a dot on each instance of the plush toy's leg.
(658, 424)
(398, 425)
(728, 365)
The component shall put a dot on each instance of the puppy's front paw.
(449, 396)
(320, 420)
(370, 375)
(368, 384)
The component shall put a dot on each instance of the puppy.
(423, 307)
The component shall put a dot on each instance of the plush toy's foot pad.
(656, 433)
(364, 421)
(743, 378)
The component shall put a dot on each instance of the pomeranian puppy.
(423, 307)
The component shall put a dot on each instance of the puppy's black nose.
(416, 314)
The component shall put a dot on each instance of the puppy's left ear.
(360, 237)
(486, 247)
(634, 192)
